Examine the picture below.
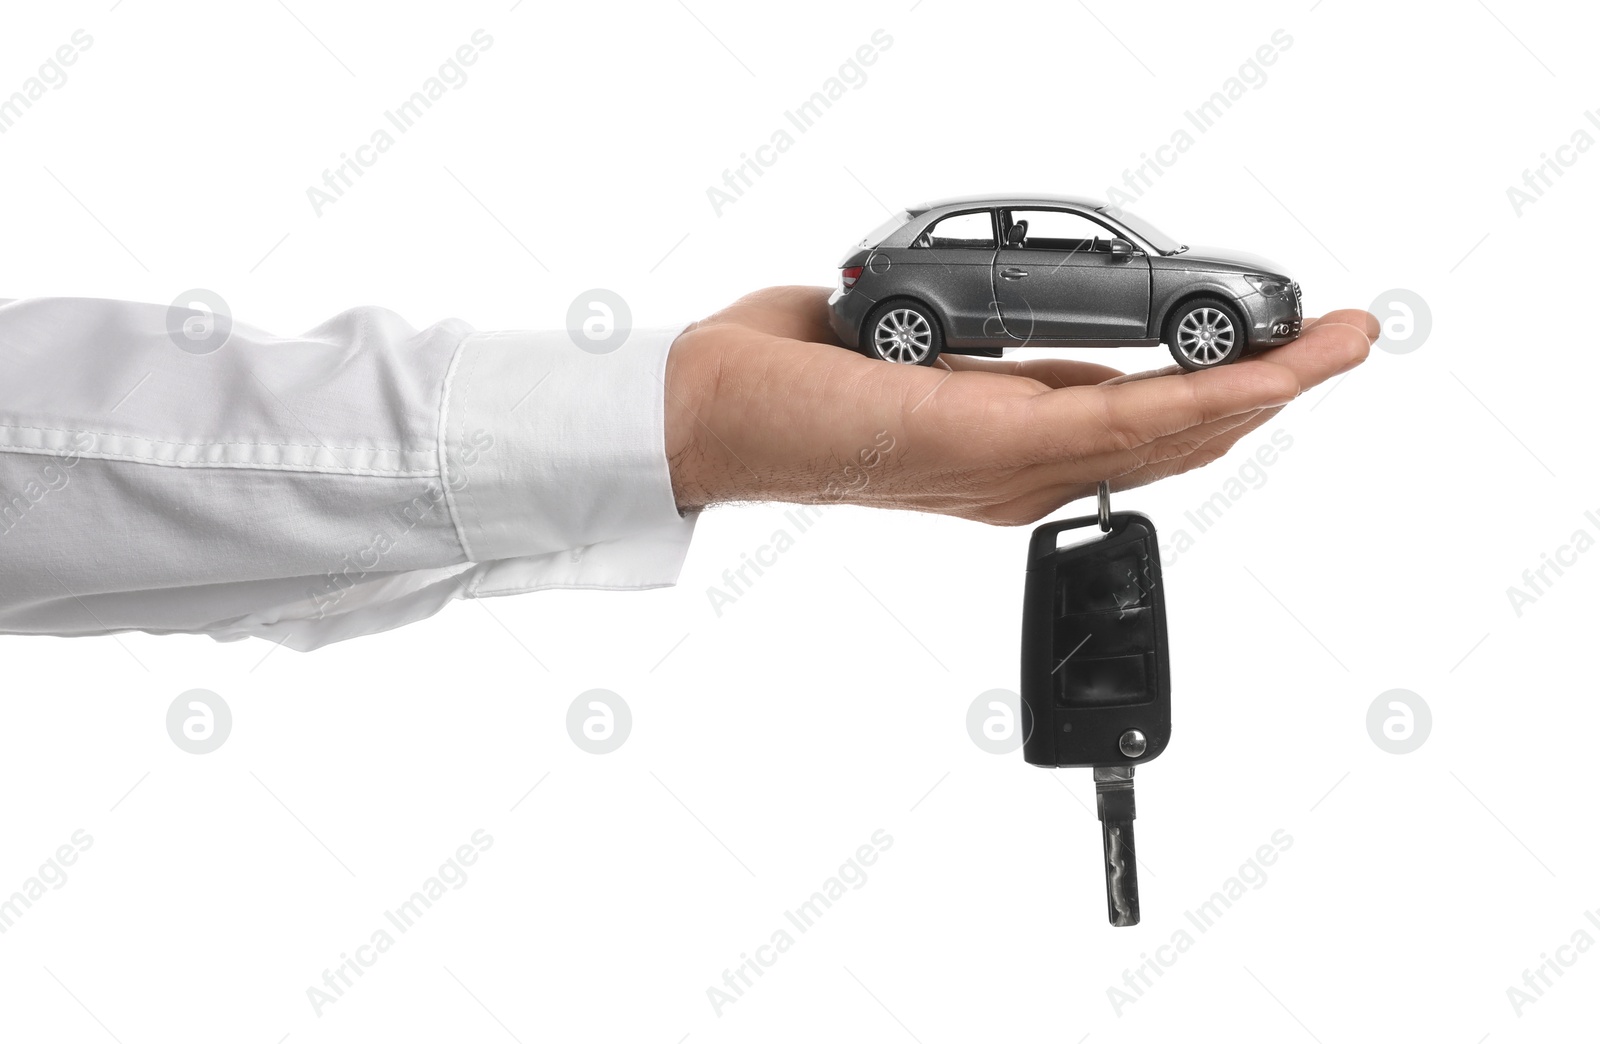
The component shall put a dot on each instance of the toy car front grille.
(1296, 288)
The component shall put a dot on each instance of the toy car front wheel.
(1205, 333)
(903, 332)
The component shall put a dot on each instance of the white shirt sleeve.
(314, 488)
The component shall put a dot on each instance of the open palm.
(763, 404)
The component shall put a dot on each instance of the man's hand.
(762, 404)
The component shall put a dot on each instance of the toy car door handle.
(1013, 273)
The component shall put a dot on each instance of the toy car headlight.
(1269, 286)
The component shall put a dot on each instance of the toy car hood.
(1243, 260)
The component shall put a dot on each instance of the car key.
(1096, 685)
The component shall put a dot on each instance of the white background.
(830, 701)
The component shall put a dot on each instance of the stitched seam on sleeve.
(444, 442)
(309, 466)
(196, 445)
(466, 412)
(307, 469)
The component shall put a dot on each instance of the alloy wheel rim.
(903, 336)
(1206, 336)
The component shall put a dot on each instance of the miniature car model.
(976, 275)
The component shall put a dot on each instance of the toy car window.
(1061, 230)
(970, 231)
(1163, 243)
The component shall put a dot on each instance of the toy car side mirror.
(1123, 247)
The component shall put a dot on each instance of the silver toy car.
(978, 274)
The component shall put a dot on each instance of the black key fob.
(1096, 686)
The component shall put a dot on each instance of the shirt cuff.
(555, 463)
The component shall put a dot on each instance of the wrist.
(689, 386)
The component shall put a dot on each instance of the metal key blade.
(1113, 789)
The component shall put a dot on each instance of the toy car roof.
(1008, 199)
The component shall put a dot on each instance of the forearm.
(313, 487)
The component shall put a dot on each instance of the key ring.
(1105, 506)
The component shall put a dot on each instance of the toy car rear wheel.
(1204, 333)
(903, 332)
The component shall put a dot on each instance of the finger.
(1185, 443)
(1336, 344)
(1113, 466)
(1349, 317)
(1234, 435)
(1363, 321)
(1208, 445)
(1203, 446)
(1222, 436)
(1145, 375)
(1339, 342)
(1054, 373)
(1207, 452)
(1080, 422)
